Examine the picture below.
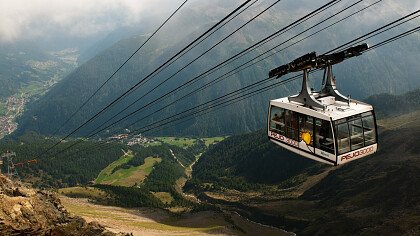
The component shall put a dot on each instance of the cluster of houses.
(132, 140)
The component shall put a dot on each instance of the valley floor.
(148, 221)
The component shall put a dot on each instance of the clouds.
(20, 19)
(78, 19)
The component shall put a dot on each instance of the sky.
(78, 19)
(25, 19)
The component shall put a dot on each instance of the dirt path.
(176, 159)
(148, 221)
(180, 183)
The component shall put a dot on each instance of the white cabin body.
(339, 133)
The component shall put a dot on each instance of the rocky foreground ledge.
(26, 211)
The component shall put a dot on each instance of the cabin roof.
(334, 110)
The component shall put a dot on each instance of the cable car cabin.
(324, 126)
(342, 133)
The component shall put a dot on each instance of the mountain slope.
(25, 211)
(246, 162)
(389, 69)
(378, 195)
(23, 64)
(54, 169)
(388, 105)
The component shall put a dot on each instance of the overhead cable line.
(372, 32)
(91, 134)
(253, 93)
(157, 69)
(194, 60)
(235, 70)
(262, 81)
(118, 113)
(249, 48)
(301, 20)
(134, 87)
(278, 35)
(215, 67)
(200, 41)
(119, 68)
(367, 35)
(246, 65)
(380, 32)
(258, 91)
(402, 35)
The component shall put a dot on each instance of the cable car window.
(369, 130)
(343, 140)
(306, 126)
(277, 122)
(356, 134)
(323, 136)
(292, 120)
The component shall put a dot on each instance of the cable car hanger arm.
(311, 60)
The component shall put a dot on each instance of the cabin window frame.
(292, 124)
(352, 127)
(328, 133)
(281, 122)
(373, 128)
(339, 140)
(362, 117)
(288, 127)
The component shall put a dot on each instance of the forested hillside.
(78, 165)
(387, 105)
(127, 176)
(247, 162)
(390, 69)
(378, 195)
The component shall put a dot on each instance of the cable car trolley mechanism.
(324, 126)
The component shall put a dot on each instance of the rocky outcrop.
(25, 211)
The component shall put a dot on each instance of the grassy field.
(135, 175)
(213, 140)
(156, 143)
(127, 177)
(164, 197)
(105, 174)
(177, 141)
(187, 142)
(83, 192)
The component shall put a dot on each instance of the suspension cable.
(137, 84)
(376, 45)
(119, 68)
